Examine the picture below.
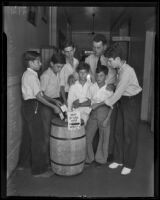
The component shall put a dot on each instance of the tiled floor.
(94, 181)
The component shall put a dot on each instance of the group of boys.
(96, 90)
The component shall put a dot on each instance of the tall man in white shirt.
(78, 92)
(68, 69)
(126, 98)
(50, 85)
(99, 47)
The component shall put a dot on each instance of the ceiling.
(81, 17)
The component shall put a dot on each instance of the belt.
(130, 97)
(30, 100)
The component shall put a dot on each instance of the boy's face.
(35, 64)
(69, 52)
(114, 62)
(83, 75)
(99, 48)
(56, 67)
(100, 77)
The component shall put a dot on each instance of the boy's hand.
(110, 87)
(57, 110)
(58, 103)
(76, 103)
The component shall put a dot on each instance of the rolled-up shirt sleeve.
(121, 87)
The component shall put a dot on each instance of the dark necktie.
(99, 61)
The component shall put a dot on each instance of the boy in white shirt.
(50, 85)
(98, 118)
(78, 92)
(33, 141)
(126, 100)
(68, 69)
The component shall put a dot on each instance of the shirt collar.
(32, 71)
(81, 84)
(52, 72)
(99, 87)
(122, 67)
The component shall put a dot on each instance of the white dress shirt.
(30, 84)
(66, 71)
(50, 83)
(127, 84)
(77, 91)
(92, 61)
(97, 94)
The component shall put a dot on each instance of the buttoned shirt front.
(66, 71)
(50, 83)
(92, 61)
(30, 84)
(127, 84)
(97, 94)
(77, 91)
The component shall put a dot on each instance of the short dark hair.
(82, 65)
(30, 56)
(67, 43)
(100, 38)
(102, 68)
(115, 50)
(58, 58)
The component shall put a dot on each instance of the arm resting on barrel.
(41, 98)
(55, 101)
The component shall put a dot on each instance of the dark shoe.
(46, 174)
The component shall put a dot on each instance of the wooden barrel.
(67, 148)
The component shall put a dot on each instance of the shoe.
(114, 165)
(46, 174)
(126, 171)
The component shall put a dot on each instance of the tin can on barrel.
(67, 148)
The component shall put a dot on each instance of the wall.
(21, 35)
(63, 26)
(140, 20)
(142, 51)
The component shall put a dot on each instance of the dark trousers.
(123, 138)
(47, 114)
(33, 145)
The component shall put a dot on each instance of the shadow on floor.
(95, 181)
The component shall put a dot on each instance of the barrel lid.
(58, 122)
